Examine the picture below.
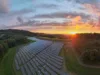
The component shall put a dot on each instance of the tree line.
(11, 42)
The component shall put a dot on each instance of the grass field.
(6, 63)
(72, 65)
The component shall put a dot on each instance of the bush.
(10, 42)
(5, 45)
(91, 55)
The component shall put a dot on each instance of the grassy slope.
(73, 65)
(6, 65)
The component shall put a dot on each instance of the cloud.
(51, 6)
(22, 12)
(86, 1)
(4, 6)
(10, 18)
(16, 13)
(52, 9)
(76, 19)
(93, 9)
(90, 6)
(62, 15)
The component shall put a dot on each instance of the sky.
(51, 16)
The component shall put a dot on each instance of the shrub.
(91, 55)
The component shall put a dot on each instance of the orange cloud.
(83, 28)
(66, 28)
(93, 9)
(76, 19)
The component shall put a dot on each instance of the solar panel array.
(40, 58)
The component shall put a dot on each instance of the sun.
(73, 33)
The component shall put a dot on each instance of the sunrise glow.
(51, 21)
(73, 33)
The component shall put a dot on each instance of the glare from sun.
(73, 33)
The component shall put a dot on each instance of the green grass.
(6, 63)
(64, 62)
(73, 66)
(30, 41)
(17, 72)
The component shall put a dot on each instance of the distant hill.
(27, 33)
(19, 32)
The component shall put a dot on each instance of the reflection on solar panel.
(40, 58)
